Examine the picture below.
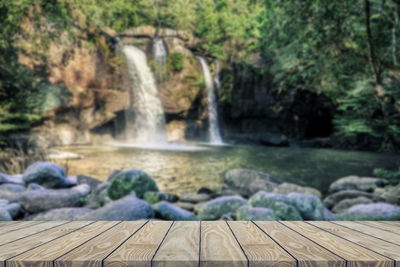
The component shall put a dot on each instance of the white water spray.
(160, 58)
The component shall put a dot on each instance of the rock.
(47, 174)
(248, 182)
(132, 180)
(92, 182)
(371, 212)
(11, 179)
(128, 208)
(280, 204)
(11, 192)
(153, 197)
(99, 196)
(328, 215)
(34, 186)
(205, 190)
(248, 213)
(274, 139)
(63, 214)
(215, 208)
(194, 198)
(35, 201)
(4, 215)
(287, 188)
(197, 207)
(309, 206)
(335, 198)
(391, 194)
(168, 211)
(228, 217)
(185, 205)
(347, 203)
(356, 183)
(3, 202)
(14, 209)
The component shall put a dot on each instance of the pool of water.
(186, 169)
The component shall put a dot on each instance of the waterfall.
(215, 136)
(160, 58)
(145, 119)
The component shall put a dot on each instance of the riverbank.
(43, 192)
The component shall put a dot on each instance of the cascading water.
(160, 58)
(145, 119)
(215, 136)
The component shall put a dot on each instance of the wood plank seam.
(353, 242)
(33, 233)
(85, 242)
(247, 258)
(377, 227)
(346, 261)
(364, 233)
(159, 245)
(19, 228)
(5, 261)
(102, 262)
(199, 245)
(276, 242)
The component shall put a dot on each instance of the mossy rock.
(216, 208)
(132, 180)
(248, 213)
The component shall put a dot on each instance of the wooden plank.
(353, 253)
(13, 226)
(20, 246)
(385, 235)
(260, 249)
(93, 252)
(387, 227)
(219, 247)
(385, 248)
(27, 231)
(180, 247)
(139, 249)
(44, 255)
(305, 251)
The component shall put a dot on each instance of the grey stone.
(215, 208)
(168, 211)
(366, 184)
(248, 213)
(14, 209)
(347, 203)
(62, 214)
(185, 205)
(194, 198)
(335, 198)
(328, 215)
(4, 215)
(371, 212)
(287, 188)
(11, 192)
(390, 193)
(309, 206)
(128, 208)
(92, 182)
(11, 179)
(153, 197)
(34, 186)
(35, 201)
(46, 174)
(248, 182)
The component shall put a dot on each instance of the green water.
(186, 171)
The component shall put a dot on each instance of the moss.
(176, 62)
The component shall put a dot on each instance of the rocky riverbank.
(44, 192)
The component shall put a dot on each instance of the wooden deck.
(220, 243)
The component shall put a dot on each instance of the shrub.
(176, 62)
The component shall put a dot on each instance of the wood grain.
(44, 255)
(139, 249)
(180, 247)
(27, 231)
(20, 246)
(305, 251)
(260, 249)
(385, 235)
(219, 247)
(387, 227)
(355, 255)
(92, 253)
(12, 226)
(385, 248)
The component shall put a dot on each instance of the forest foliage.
(347, 50)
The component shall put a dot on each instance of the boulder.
(390, 193)
(185, 205)
(274, 139)
(365, 184)
(309, 206)
(14, 209)
(47, 174)
(11, 192)
(248, 182)
(194, 198)
(34, 186)
(63, 214)
(371, 212)
(128, 208)
(347, 203)
(99, 196)
(335, 198)
(35, 201)
(215, 208)
(4, 215)
(328, 215)
(287, 188)
(11, 179)
(153, 197)
(168, 211)
(132, 180)
(90, 181)
(280, 204)
(248, 213)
